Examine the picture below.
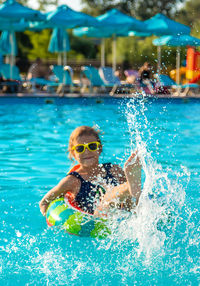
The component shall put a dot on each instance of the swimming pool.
(33, 159)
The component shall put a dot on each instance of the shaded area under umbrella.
(177, 41)
(92, 32)
(181, 41)
(8, 43)
(64, 18)
(12, 13)
(160, 25)
(59, 43)
(111, 24)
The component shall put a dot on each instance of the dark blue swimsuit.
(90, 193)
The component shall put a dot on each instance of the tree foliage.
(42, 5)
(98, 7)
(39, 42)
(148, 8)
(189, 15)
(137, 8)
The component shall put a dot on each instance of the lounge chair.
(164, 81)
(107, 75)
(6, 72)
(45, 84)
(64, 76)
(109, 78)
(12, 80)
(17, 83)
(93, 79)
(102, 79)
(119, 87)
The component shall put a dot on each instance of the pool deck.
(89, 95)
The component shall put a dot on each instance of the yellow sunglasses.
(91, 146)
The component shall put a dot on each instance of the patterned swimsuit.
(89, 193)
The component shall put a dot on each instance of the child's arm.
(132, 169)
(67, 184)
(118, 173)
(130, 184)
(131, 175)
(116, 197)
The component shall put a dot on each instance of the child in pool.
(85, 147)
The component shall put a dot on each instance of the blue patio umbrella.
(160, 25)
(14, 11)
(59, 42)
(177, 41)
(118, 22)
(11, 13)
(65, 18)
(112, 23)
(56, 43)
(7, 25)
(6, 43)
(92, 32)
(8, 36)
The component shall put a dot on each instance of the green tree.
(83, 47)
(189, 15)
(39, 42)
(136, 51)
(44, 5)
(98, 7)
(137, 8)
(148, 8)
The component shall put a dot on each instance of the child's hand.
(102, 209)
(132, 169)
(43, 207)
(132, 162)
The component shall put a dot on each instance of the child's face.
(87, 158)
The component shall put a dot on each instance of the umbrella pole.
(178, 66)
(12, 54)
(114, 53)
(103, 52)
(64, 48)
(7, 59)
(159, 59)
(59, 59)
(64, 61)
(65, 58)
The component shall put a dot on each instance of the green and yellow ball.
(61, 213)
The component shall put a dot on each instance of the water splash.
(163, 193)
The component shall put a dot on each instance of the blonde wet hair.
(81, 131)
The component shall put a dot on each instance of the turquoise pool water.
(33, 159)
